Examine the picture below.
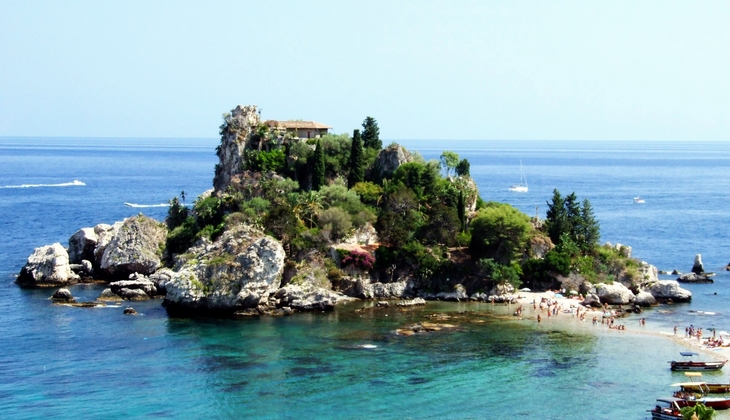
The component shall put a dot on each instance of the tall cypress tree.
(461, 211)
(556, 218)
(590, 230)
(357, 161)
(371, 134)
(318, 177)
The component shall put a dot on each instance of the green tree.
(371, 134)
(703, 412)
(463, 167)
(500, 232)
(357, 162)
(461, 212)
(556, 219)
(449, 160)
(337, 221)
(318, 175)
(590, 231)
(176, 214)
(441, 227)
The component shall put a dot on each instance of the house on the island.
(298, 129)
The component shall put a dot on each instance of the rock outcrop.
(669, 290)
(236, 134)
(239, 270)
(81, 245)
(307, 297)
(365, 290)
(47, 266)
(63, 295)
(458, 295)
(695, 278)
(698, 267)
(614, 294)
(130, 289)
(389, 159)
(134, 248)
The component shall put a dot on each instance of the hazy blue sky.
(424, 69)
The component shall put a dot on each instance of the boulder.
(645, 299)
(81, 245)
(698, 267)
(389, 159)
(130, 311)
(87, 268)
(540, 245)
(63, 295)
(457, 295)
(666, 290)
(132, 294)
(396, 290)
(648, 272)
(592, 300)
(239, 270)
(47, 266)
(614, 294)
(160, 278)
(308, 298)
(108, 295)
(138, 283)
(134, 247)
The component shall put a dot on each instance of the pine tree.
(590, 230)
(556, 220)
(357, 161)
(573, 217)
(318, 176)
(371, 134)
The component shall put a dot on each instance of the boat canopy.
(689, 384)
(688, 353)
(695, 374)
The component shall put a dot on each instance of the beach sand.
(630, 322)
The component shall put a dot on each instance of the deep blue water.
(75, 362)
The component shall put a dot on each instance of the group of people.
(694, 332)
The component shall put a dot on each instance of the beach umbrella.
(573, 292)
(724, 333)
(525, 289)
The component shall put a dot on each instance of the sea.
(67, 362)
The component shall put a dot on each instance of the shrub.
(337, 221)
(176, 214)
(357, 259)
(182, 237)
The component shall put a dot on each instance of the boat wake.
(74, 183)
(146, 205)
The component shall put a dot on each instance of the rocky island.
(297, 223)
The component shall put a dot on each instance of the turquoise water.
(77, 362)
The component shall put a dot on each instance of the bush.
(182, 237)
(357, 259)
(176, 214)
(263, 161)
(337, 221)
(209, 211)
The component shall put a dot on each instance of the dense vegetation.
(431, 224)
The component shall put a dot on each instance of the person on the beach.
(675, 330)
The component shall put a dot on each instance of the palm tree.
(310, 204)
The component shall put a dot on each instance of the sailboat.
(523, 182)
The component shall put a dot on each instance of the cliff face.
(236, 133)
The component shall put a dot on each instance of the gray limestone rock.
(396, 290)
(134, 247)
(614, 294)
(308, 297)
(698, 267)
(47, 266)
(645, 299)
(81, 245)
(239, 270)
(457, 295)
(139, 283)
(63, 295)
(665, 290)
(389, 159)
(236, 133)
(108, 295)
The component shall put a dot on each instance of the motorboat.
(639, 200)
(708, 388)
(692, 365)
(666, 409)
(690, 399)
(523, 182)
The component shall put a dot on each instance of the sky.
(503, 70)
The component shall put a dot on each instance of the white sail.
(523, 182)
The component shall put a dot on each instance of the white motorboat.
(523, 182)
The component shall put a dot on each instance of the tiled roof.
(312, 125)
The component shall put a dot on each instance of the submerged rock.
(47, 266)
(63, 295)
(130, 311)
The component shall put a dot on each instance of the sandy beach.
(570, 308)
